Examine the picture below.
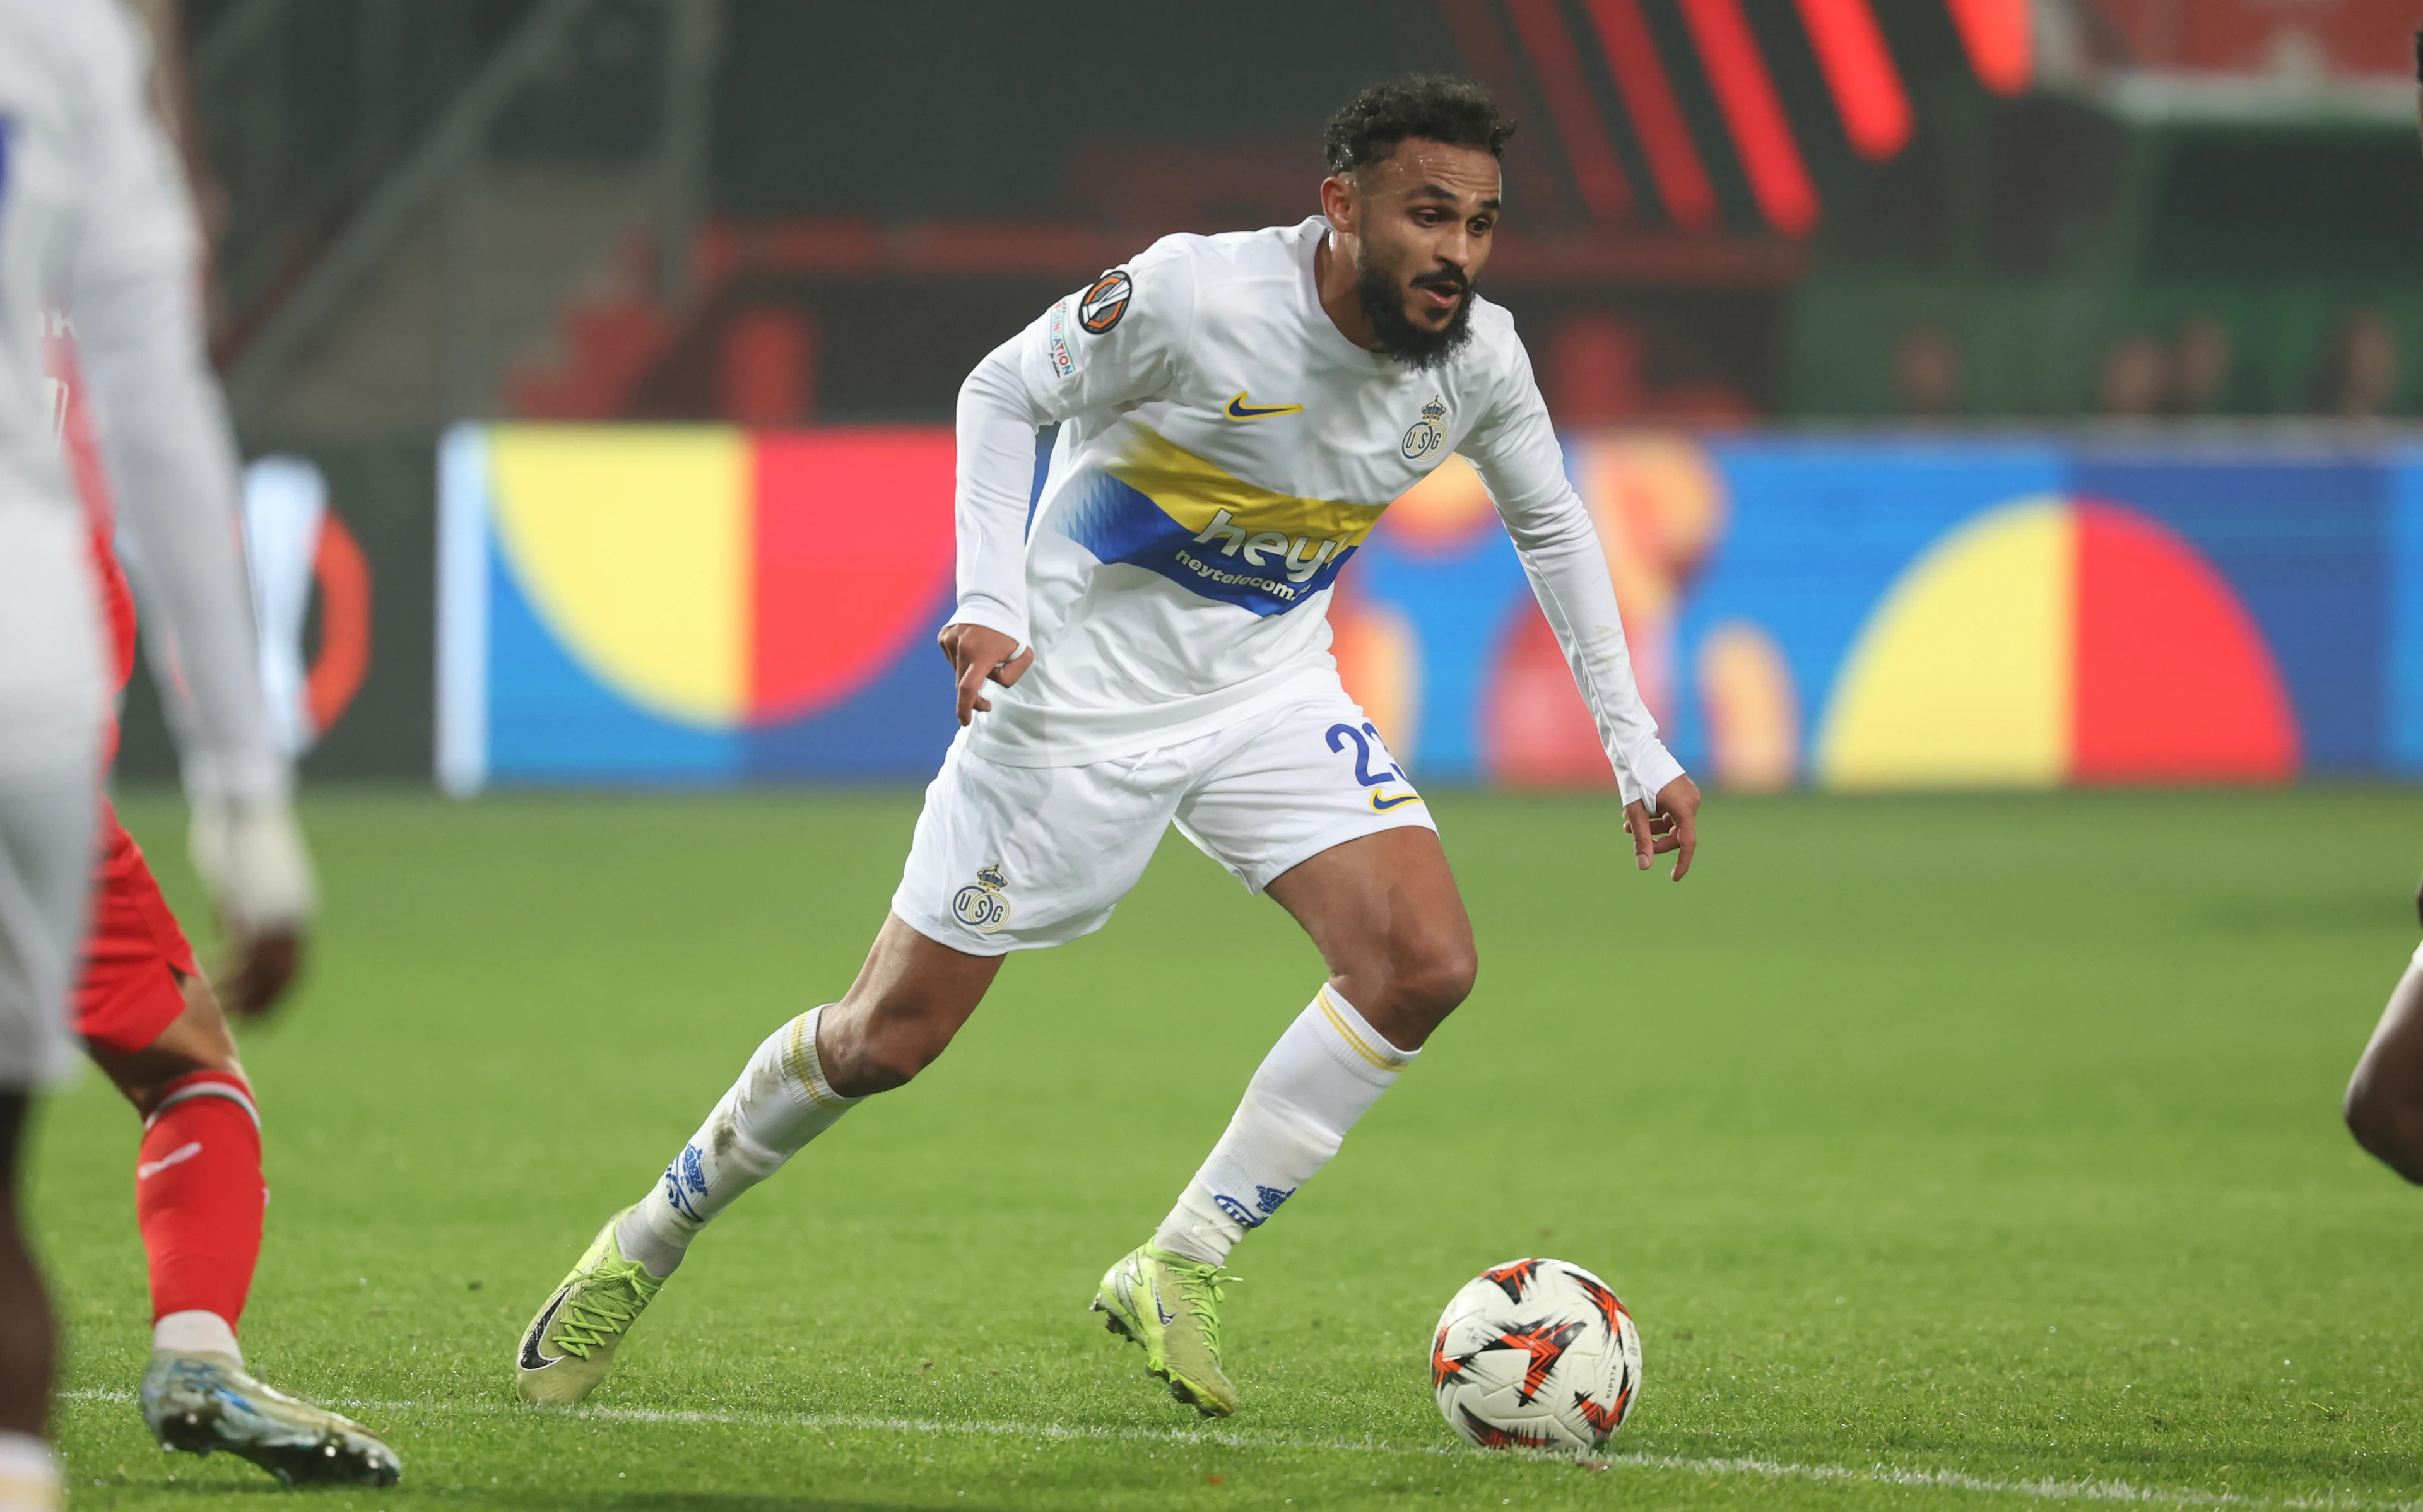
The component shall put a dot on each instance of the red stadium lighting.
(1996, 34)
(1649, 96)
(1605, 190)
(1777, 178)
(1860, 71)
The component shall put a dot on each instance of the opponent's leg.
(908, 1001)
(198, 1194)
(198, 1199)
(28, 1473)
(1384, 912)
(45, 858)
(2384, 1097)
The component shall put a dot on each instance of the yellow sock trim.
(799, 1055)
(1389, 1060)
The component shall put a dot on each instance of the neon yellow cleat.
(1171, 1305)
(205, 1402)
(568, 1348)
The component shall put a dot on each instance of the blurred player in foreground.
(122, 269)
(1235, 412)
(2384, 1097)
(52, 706)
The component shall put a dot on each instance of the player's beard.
(1417, 346)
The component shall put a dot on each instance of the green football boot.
(567, 1348)
(1171, 1305)
(203, 1402)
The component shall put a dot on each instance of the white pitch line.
(2047, 1489)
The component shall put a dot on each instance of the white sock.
(196, 1332)
(781, 1102)
(29, 1474)
(1324, 1073)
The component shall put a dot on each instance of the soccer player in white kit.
(96, 233)
(1235, 412)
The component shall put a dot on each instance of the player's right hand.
(978, 653)
(1675, 826)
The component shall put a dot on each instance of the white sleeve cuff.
(994, 615)
(1655, 768)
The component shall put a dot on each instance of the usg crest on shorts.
(980, 904)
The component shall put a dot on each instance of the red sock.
(199, 1197)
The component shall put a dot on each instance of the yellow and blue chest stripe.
(1163, 508)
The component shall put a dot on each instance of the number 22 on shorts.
(1367, 740)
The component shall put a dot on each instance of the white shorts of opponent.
(54, 701)
(1019, 858)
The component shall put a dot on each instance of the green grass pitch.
(1951, 1151)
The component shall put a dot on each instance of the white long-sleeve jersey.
(95, 223)
(1223, 451)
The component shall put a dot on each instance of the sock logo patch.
(674, 1193)
(1238, 1210)
(1269, 1198)
(183, 1153)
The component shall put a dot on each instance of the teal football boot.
(205, 1402)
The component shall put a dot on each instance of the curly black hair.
(1434, 107)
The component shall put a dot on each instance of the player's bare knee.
(1436, 980)
(1412, 993)
(2388, 1129)
(2361, 1114)
(888, 1063)
(883, 1051)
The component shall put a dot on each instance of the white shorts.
(54, 701)
(1019, 858)
(47, 827)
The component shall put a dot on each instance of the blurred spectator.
(1927, 371)
(1595, 370)
(2136, 377)
(2200, 366)
(766, 372)
(1597, 375)
(2359, 373)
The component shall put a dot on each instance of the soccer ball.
(1536, 1354)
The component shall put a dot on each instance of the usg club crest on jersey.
(980, 904)
(1428, 434)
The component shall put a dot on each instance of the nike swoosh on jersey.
(1240, 410)
(1380, 805)
(531, 1359)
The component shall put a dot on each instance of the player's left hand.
(979, 654)
(1675, 826)
(257, 970)
(252, 859)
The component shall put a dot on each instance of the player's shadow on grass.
(705, 1502)
(521, 1499)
